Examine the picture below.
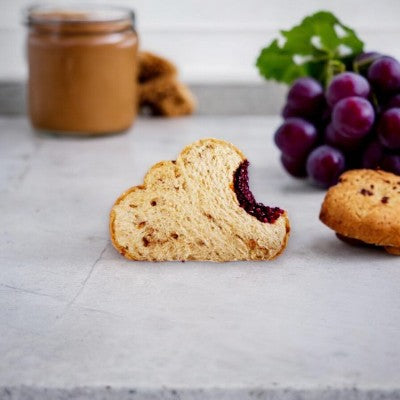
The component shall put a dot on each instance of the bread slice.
(365, 205)
(194, 208)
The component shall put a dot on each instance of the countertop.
(77, 320)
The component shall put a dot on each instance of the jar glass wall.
(82, 69)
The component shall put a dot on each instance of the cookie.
(365, 205)
(198, 207)
(152, 66)
(167, 97)
(160, 91)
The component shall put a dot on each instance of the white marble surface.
(75, 314)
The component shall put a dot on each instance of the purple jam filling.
(246, 199)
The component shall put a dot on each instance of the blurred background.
(215, 41)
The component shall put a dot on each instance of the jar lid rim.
(76, 13)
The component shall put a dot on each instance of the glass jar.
(82, 69)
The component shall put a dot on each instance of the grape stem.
(357, 65)
(333, 67)
(374, 101)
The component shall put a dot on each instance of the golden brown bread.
(188, 210)
(365, 205)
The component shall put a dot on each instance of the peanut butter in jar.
(82, 69)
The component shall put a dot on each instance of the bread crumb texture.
(187, 210)
(365, 205)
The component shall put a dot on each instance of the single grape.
(324, 165)
(317, 120)
(389, 128)
(296, 137)
(306, 97)
(384, 75)
(336, 139)
(287, 112)
(296, 168)
(353, 117)
(373, 155)
(391, 163)
(366, 56)
(363, 60)
(347, 84)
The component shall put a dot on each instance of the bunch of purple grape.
(355, 123)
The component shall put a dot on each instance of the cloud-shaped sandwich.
(198, 207)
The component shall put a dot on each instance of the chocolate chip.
(366, 192)
(385, 199)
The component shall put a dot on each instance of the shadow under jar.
(82, 69)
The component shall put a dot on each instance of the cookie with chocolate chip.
(365, 205)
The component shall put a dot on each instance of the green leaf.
(308, 49)
(280, 64)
